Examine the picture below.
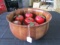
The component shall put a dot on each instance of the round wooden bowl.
(21, 31)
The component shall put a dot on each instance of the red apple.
(28, 20)
(27, 15)
(39, 19)
(19, 18)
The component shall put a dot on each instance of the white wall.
(56, 4)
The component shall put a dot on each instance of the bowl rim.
(31, 26)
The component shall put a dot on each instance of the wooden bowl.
(21, 31)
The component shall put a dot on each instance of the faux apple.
(28, 20)
(39, 19)
(19, 18)
(33, 24)
(36, 24)
(27, 15)
(17, 22)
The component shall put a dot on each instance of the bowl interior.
(32, 10)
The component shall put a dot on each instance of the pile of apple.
(29, 18)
